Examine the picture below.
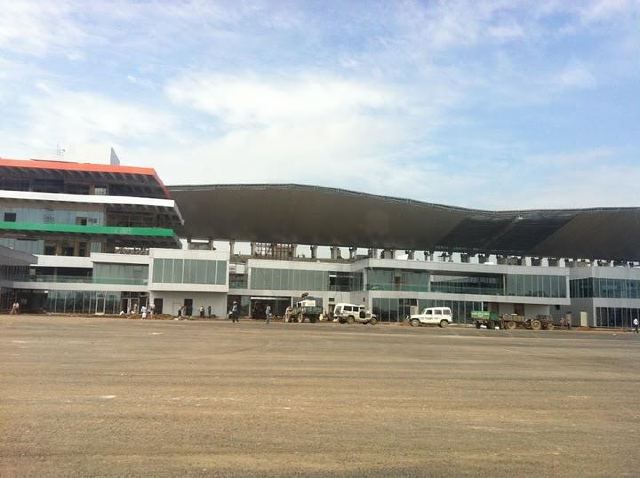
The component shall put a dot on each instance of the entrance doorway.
(131, 302)
(278, 306)
(188, 305)
(157, 305)
(100, 303)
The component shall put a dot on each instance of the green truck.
(510, 321)
(307, 308)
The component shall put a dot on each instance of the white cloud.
(576, 75)
(37, 27)
(249, 99)
(309, 128)
(572, 159)
(84, 123)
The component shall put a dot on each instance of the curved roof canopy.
(299, 214)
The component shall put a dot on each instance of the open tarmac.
(115, 397)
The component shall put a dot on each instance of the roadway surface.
(116, 397)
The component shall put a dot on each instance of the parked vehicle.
(510, 321)
(352, 313)
(432, 316)
(307, 308)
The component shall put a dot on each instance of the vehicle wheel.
(510, 325)
(444, 323)
(536, 324)
(350, 320)
(478, 325)
(490, 325)
(548, 326)
(373, 321)
(415, 322)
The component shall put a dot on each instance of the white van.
(350, 313)
(432, 316)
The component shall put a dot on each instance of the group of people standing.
(15, 308)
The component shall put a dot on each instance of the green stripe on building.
(79, 229)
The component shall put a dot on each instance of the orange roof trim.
(85, 167)
(70, 166)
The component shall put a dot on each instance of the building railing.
(81, 279)
(399, 287)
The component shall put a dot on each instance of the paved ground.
(113, 397)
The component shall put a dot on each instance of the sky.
(497, 104)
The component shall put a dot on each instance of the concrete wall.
(531, 310)
(505, 308)
(172, 301)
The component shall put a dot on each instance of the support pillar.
(335, 253)
(411, 254)
(353, 252)
(253, 249)
(232, 247)
(372, 253)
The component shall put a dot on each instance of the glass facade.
(487, 285)
(23, 245)
(397, 279)
(237, 281)
(14, 273)
(497, 284)
(189, 271)
(616, 316)
(134, 274)
(345, 281)
(82, 302)
(536, 285)
(605, 288)
(285, 279)
(304, 280)
(53, 216)
(395, 310)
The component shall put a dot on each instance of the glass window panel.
(201, 271)
(287, 282)
(562, 289)
(210, 272)
(178, 265)
(221, 272)
(296, 277)
(276, 279)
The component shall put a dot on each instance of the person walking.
(235, 312)
(636, 324)
(202, 311)
(143, 312)
(209, 311)
(268, 314)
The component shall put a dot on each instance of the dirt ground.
(111, 397)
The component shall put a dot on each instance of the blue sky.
(494, 104)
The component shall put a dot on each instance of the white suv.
(351, 313)
(432, 316)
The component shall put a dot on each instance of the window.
(9, 217)
(81, 221)
(429, 312)
(49, 249)
(437, 312)
(100, 191)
